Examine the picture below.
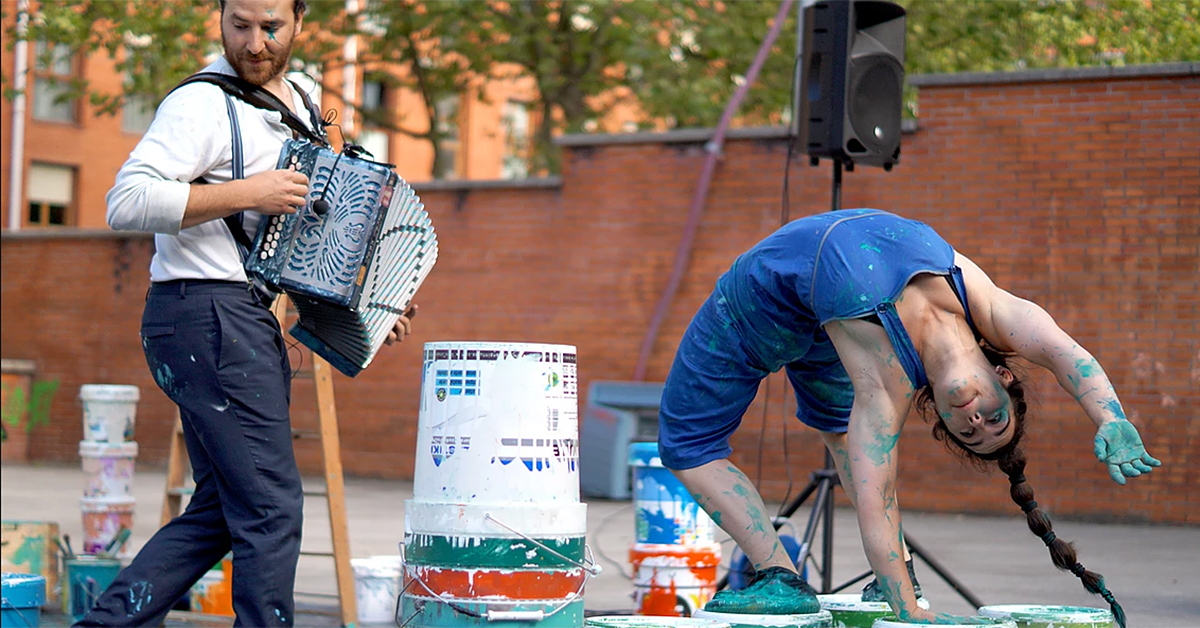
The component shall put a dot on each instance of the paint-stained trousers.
(219, 354)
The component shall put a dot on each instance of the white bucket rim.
(499, 344)
(653, 621)
(1047, 612)
(109, 392)
(107, 449)
(811, 620)
(554, 519)
(894, 623)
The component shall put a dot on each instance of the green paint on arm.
(879, 450)
(1112, 405)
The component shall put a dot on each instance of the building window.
(375, 141)
(517, 145)
(53, 71)
(449, 143)
(136, 114)
(51, 196)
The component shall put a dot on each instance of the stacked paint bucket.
(675, 554)
(108, 453)
(495, 532)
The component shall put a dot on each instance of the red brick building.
(1078, 189)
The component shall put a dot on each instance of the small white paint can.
(1035, 616)
(109, 412)
(376, 588)
(822, 619)
(108, 468)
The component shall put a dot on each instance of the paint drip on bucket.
(1034, 616)
(495, 532)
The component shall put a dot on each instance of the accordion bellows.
(352, 271)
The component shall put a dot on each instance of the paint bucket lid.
(640, 621)
(812, 620)
(107, 392)
(107, 504)
(23, 590)
(91, 561)
(377, 566)
(892, 622)
(1064, 616)
(103, 449)
(852, 602)
(644, 455)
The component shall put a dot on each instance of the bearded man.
(209, 337)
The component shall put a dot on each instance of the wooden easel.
(178, 467)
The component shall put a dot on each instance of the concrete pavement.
(1153, 570)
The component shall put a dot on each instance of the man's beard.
(258, 74)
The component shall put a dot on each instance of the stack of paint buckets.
(108, 454)
(495, 531)
(675, 554)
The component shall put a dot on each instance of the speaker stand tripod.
(823, 481)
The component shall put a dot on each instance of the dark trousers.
(219, 354)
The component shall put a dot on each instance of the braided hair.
(1011, 460)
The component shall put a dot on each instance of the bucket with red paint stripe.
(102, 520)
(673, 580)
(495, 532)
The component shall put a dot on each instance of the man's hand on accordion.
(278, 191)
(403, 326)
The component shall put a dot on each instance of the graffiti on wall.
(33, 406)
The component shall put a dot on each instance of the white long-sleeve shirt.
(189, 138)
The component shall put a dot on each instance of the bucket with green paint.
(1033, 616)
(495, 534)
(849, 611)
(649, 621)
(892, 622)
(86, 577)
(822, 619)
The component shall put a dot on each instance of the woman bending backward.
(867, 311)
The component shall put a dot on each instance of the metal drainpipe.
(713, 148)
(16, 174)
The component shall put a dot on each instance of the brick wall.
(1082, 194)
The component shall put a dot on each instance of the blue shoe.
(873, 593)
(774, 591)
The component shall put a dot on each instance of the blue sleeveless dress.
(767, 313)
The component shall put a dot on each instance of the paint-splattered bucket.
(109, 468)
(376, 588)
(29, 547)
(86, 577)
(495, 533)
(213, 593)
(664, 511)
(633, 621)
(849, 611)
(673, 580)
(895, 623)
(102, 520)
(21, 598)
(812, 620)
(1032, 616)
(109, 412)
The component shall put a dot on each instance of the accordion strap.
(256, 96)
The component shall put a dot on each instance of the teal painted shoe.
(873, 593)
(774, 591)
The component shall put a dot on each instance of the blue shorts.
(714, 379)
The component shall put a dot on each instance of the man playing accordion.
(205, 168)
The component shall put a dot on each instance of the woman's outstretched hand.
(1119, 446)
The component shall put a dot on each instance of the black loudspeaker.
(852, 80)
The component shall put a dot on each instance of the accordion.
(352, 263)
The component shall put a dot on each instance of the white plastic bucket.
(894, 623)
(376, 588)
(1035, 616)
(850, 611)
(636, 621)
(109, 412)
(813, 620)
(673, 579)
(108, 468)
(495, 526)
(102, 520)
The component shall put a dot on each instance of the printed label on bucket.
(498, 424)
